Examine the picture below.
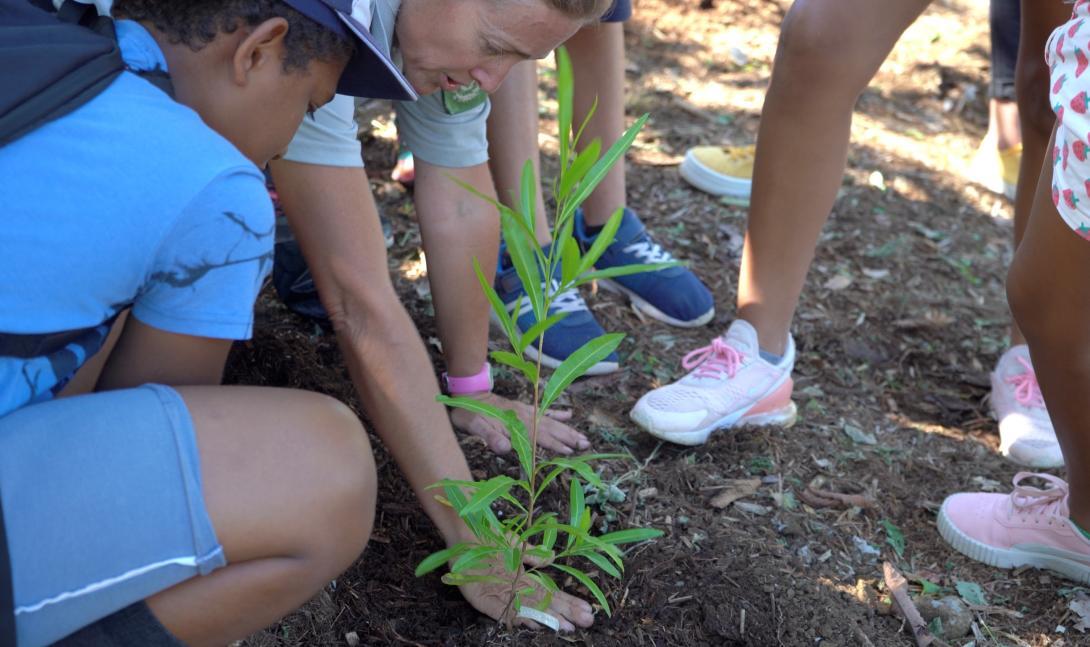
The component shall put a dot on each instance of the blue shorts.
(619, 11)
(102, 505)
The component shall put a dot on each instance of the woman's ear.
(262, 46)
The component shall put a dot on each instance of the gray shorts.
(102, 505)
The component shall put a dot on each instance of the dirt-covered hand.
(552, 433)
(492, 599)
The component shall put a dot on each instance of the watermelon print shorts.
(1068, 58)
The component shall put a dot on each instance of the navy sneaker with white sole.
(674, 295)
(564, 337)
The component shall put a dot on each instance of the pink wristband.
(481, 382)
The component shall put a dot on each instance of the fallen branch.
(902, 603)
(860, 636)
(818, 498)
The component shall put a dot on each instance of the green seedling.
(529, 545)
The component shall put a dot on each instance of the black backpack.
(53, 62)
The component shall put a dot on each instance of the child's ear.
(264, 45)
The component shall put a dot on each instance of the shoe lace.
(1030, 501)
(713, 360)
(1027, 392)
(649, 251)
(566, 301)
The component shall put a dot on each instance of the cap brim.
(370, 73)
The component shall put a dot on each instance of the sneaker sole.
(735, 190)
(641, 304)
(783, 417)
(1007, 558)
(601, 368)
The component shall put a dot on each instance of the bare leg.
(828, 52)
(512, 139)
(1003, 116)
(1050, 298)
(597, 53)
(1039, 19)
(289, 484)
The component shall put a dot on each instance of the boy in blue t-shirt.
(137, 232)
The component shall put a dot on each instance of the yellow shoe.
(725, 171)
(1009, 161)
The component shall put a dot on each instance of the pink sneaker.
(1026, 435)
(728, 385)
(1028, 527)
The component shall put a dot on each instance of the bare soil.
(902, 318)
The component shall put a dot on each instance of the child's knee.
(1029, 304)
(813, 53)
(345, 485)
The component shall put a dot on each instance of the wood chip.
(735, 489)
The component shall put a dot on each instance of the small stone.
(955, 616)
(352, 638)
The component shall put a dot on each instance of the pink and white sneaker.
(1026, 435)
(1028, 527)
(729, 385)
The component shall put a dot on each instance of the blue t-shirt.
(130, 200)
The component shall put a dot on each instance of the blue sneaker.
(674, 296)
(563, 338)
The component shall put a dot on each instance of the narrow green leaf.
(512, 558)
(582, 467)
(601, 242)
(520, 441)
(506, 320)
(598, 172)
(549, 478)
(537, 330)
(458, 501)
(546, 583)
(577, 364)
(569, 261)
(624, 270)
(459, 579)
(584, 541)
(582, 578)
(472, 558)
(474, 405)
(584, 521)
(489, 491)
(525, 261)
(517, 362)
(586, 120)
(601, 562)
(564, 92)
(528, 196)
(575, 507)
(440, 557)
(630, 535)
(545, 580)
(578, 170)
(548, 537)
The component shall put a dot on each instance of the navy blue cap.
(370, 73)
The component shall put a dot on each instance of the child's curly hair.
(195, 23)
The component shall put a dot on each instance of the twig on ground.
(862, 637)
(818, 498)
(898, 592)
